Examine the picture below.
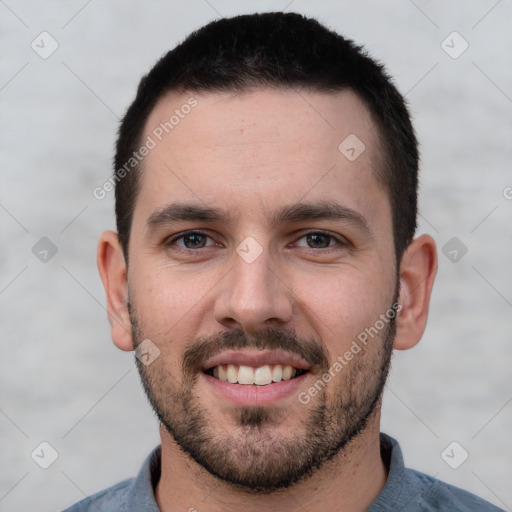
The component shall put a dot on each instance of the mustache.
(198, 352)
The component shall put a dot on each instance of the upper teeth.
(261, 376)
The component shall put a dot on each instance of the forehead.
(255, 149)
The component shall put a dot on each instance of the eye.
(317, 240)
(191, 240)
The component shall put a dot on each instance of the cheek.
(166, 303)
(343, 304)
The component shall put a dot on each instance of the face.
(261, 254)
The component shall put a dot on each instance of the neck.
(348, 483)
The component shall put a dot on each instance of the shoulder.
(134, 494)
(436, 495)
(112, 499)
(407, 490)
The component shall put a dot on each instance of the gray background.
(61, 379)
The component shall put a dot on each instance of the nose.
(253, 296)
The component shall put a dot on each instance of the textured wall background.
(61, 379)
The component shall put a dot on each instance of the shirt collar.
(141, 495)
(400, 484)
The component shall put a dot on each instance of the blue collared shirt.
(406, 490)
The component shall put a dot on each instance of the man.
(264, 269)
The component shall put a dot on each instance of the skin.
(252, 154)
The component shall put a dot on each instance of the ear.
(417, 272)
(112, 268)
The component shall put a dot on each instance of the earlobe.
(113, 272)
(417, 272)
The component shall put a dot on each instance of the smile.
(255, 377)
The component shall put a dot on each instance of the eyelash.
(338, 240)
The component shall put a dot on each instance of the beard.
(260, 455)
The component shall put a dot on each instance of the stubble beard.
(260, 456)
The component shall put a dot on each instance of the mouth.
(254, 376)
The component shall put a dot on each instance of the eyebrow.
(295, 213)
(177, 212)
(321, 211)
